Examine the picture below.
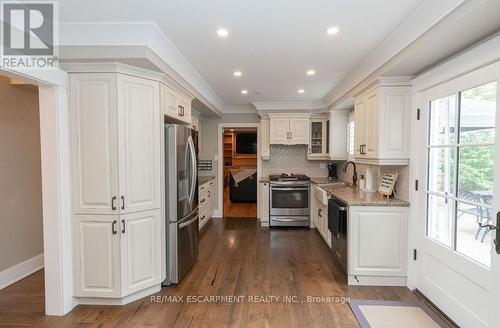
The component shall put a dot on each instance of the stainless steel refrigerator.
(181, 200)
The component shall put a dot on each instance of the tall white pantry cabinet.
(115, 134)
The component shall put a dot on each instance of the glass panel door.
(461, 150)
(317, 137)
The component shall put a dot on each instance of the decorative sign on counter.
(388, 184)
(205, 165)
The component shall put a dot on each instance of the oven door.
(289, 200)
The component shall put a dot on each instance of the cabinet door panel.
(370, 125)
(384, 227)
(359, 127)
(186, 113)
(94, 153)
(299, 130)
(139, 151)
(97, 256)
(278, 129)
(140, 243)
(170, 102)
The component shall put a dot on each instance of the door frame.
(485, 54)
(56, 185)
(219, 212)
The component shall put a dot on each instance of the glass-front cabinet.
(319, 139)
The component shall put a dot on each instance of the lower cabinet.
(377, 250)
(321, 221)
(206, 198)
(116, 256)
(140, 248)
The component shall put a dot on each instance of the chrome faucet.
(355, 173)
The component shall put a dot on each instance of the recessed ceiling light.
(332, 30)
(237, 73)
(311, 72)
(301, 91)
(244, 92)
(222, 32)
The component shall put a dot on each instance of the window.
(350, 137)
(460, 171)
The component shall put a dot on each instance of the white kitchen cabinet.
(140, 241)
(97, 256)
(175, 105)
(116, 256)
(382, 120)
(115, 153)
(289, 129)
(319, 139)
(94, 143)
(279, 130)
(339, 135)
(139, 152)
(115, 126)
(265, 147)
(377, 245)
(206, 197)
(320, 214)
(299, 130)
(264, 204)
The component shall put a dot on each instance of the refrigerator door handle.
(193, 169)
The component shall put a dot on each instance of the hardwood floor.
(236, 257)
(238, 210)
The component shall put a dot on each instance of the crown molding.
(242, 109)
(162, 52)
(289, 105)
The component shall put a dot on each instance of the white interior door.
(458, 174)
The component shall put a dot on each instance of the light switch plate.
(322, 165)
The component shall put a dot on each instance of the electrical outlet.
(322, 165)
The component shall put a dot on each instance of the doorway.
(21, 214)
(460, 178)
(239, 178)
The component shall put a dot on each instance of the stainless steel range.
(289, 200)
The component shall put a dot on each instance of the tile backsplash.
(402, 185)
(292, 159)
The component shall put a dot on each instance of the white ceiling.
(272, 42)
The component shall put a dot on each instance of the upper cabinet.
(289, 129)
(319, 140)
(114, 132)
(175, 104)
(328, 136)
(382, 120)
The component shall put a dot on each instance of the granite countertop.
(205, 179)
(357, 197)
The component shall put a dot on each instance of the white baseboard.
(18, 272)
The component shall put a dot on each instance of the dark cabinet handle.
(123, 202)
(209, 194)
(123, 226)
(113, 203)
(113, 227)
(497, 235)
(320, 212)
(203, 200)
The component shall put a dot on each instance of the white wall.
(21, 235)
